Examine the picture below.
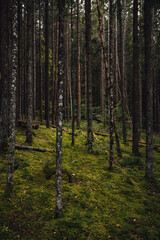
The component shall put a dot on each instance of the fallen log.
(30, 148)
(101, 134)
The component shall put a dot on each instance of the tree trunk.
(89, 79)
(34, 59)
(4, 75)
(13, 54)
(120, 48)
(46, 66)
(19, 80)
(29, 73)
(149, 88)
(135, 79)
(111, 83)
(59, 206)
(72, 77)
(40, 68)
(53, 63)
(78, 68)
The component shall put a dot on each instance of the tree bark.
(59, 206)
(89, 79)
(111, 83)
(29, 73)
(135, 79)
(4, 76)
(46, 66)
(13, 54)
(120, 48)
(149, 88)
(72, 77)
(34, 59)
(78, 68)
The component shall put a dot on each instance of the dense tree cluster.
(80, 60)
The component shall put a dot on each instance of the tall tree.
(13, 51)
(29, 73)
(4, 75)
(149, 88)
(72, 78)
(46, 65)
(111, 82)
(78, 68)
(135, 80)
(59, 206)
(89, 78)
(40, 67)
(34, 58)
(119, 16)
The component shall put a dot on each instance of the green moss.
(97, 203)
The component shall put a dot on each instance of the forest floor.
(97, 203)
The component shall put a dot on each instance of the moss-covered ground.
(97, 203)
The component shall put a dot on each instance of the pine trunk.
(46, 66)
(78, 68)
(149, 88)
(135, 149)
(89, 79)
(29, 73)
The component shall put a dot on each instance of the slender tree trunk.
(46, 66)
(13, 54)
(149, 88)
(111, 83)
(4, 75)
(89, 79)
(53, 49)
(19, 80)
(34, 59)
(85, 87)
(29, 73)
(135, 149)
(40, 68)
(59, 206)
(78, 68)
(72, 77)
(119, 15)
(54, 100)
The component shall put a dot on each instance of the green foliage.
(97, 203)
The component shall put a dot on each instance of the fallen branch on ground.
(22, 147)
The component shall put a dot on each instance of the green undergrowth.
(97, 203)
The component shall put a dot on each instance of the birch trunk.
(59, 206)
(4, 75)
(13, 54)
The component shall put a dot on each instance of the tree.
(78, 68)
(111, 83)
(59, 206)
(135, 80)
(13, 51)
(88, 71)
(46, 66)
(149, 88)
(29, 73)
(4, 75)
(72, 77)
